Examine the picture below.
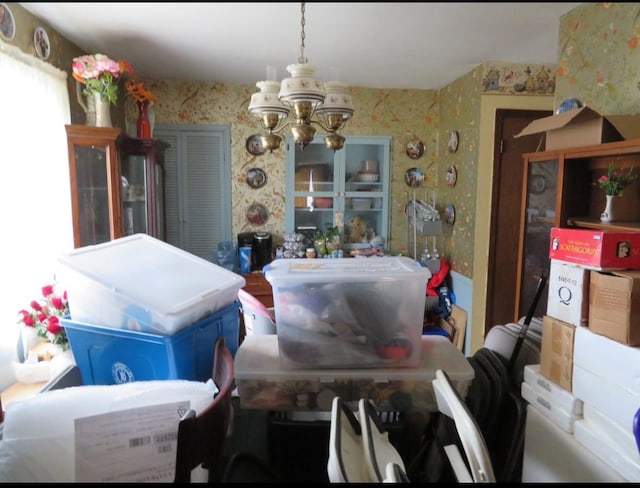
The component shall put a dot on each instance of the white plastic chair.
(477, 455)
(378, 450)
(346, 463)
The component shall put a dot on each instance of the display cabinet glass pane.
(134, 195)
(539, 219)
(93, 194)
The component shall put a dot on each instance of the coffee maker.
(261, 244)
(261, 253)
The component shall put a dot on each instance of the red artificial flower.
(45, 316)
(47, 290)
(53, 325)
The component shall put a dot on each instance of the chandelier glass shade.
(305, 97)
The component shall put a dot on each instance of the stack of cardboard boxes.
(587, 382)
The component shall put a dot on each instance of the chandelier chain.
(302, 59)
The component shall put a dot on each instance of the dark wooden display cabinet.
(559, 190)
(117, 184)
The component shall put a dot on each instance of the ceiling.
(372, 44)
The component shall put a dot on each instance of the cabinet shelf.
(587, 223)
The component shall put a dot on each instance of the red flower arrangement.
(44, 316)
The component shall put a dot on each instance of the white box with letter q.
(568, 298)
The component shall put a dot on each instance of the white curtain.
(35, 201)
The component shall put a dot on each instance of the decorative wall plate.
(414, 177)
(41, 43)
(452, 144)
(452, 176)
(414, 148)
(254, 145)
(257, 214)
(256, 178)
(7, 22)
(450, 214)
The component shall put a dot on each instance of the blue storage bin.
(108, 356)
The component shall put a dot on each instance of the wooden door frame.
(497, 196)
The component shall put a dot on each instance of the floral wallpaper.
(402, 114)
(598, 63)
(599, 57)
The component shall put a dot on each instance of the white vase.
(607, 215)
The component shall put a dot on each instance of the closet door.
(198, 186)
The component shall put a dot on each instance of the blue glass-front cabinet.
(348, 189)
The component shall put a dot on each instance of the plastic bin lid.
(258, 358)
(151, 272)
(348, 269)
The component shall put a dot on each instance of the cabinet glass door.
(315, 195)
(134, 195)
(366, 179)
(92, 190)
(347, 189)
(539, 218)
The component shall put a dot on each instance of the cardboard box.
(556, 354)
(583, 127)
(617, 363)
(596, 249)
(568, 298)
(614, 306)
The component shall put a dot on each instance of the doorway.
(506, 202)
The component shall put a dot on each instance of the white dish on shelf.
(360, 203)
(368, 177)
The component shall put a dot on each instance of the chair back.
(258, 319)
(202, 437)
(477, 455)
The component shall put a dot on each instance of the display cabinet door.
(94, 174)
(135, 184)
(92, 193)
(539, 217)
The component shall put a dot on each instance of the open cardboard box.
(583, 127)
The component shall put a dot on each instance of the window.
(35, 196)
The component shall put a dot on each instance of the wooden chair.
(202, 437)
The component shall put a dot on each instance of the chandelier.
(307, 97)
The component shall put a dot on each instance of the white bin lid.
(151, 273)
(344, 269)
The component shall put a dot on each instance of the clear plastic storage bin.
(348, 312)
(143, 284)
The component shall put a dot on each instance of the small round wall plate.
(414, 177)
(257, 214)
(452, 176)
(450, 214)
(256, 178)
(414, 148)
(7, 22)
(41, 43)
(452, 144)
(254, 145)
